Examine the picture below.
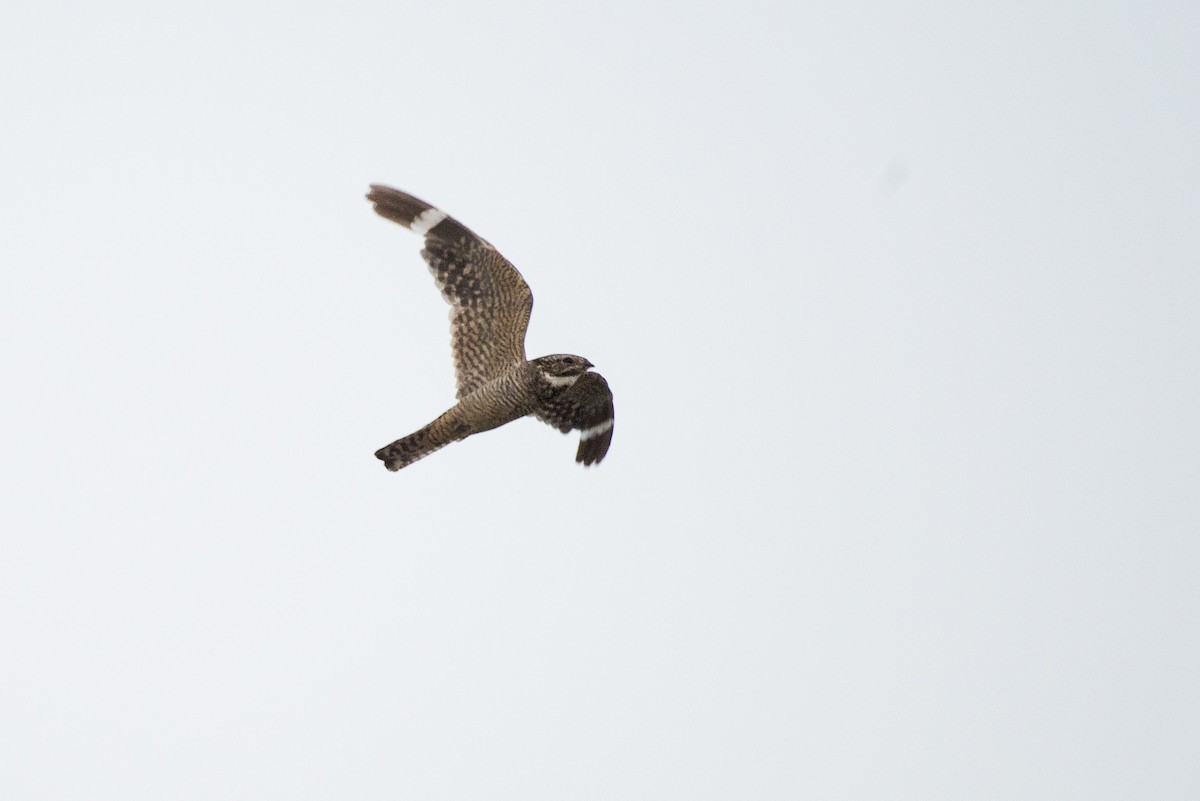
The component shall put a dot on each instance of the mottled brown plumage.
(490, 306)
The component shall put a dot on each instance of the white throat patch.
(559, 380)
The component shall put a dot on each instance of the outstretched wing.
(490, 301)
(588, 406)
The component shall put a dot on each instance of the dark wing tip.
(409, 211)
(595, 419)
(592, 450)
(395, 205)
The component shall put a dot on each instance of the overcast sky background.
(900, 304)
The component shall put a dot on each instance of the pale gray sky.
(899, 304)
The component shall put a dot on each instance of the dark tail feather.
(419, 444)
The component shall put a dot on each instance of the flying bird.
(489, 312)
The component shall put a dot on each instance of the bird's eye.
(568, 360)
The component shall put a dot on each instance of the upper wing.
(588, 406)
(490, 300)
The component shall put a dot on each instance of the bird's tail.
(419, 444)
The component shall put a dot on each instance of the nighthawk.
(489, 312)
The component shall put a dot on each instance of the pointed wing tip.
(377, 192)
(401, 207)
(592, 450)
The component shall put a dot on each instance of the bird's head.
(562, 369)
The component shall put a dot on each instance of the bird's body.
(490, 307)
(507, 397)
